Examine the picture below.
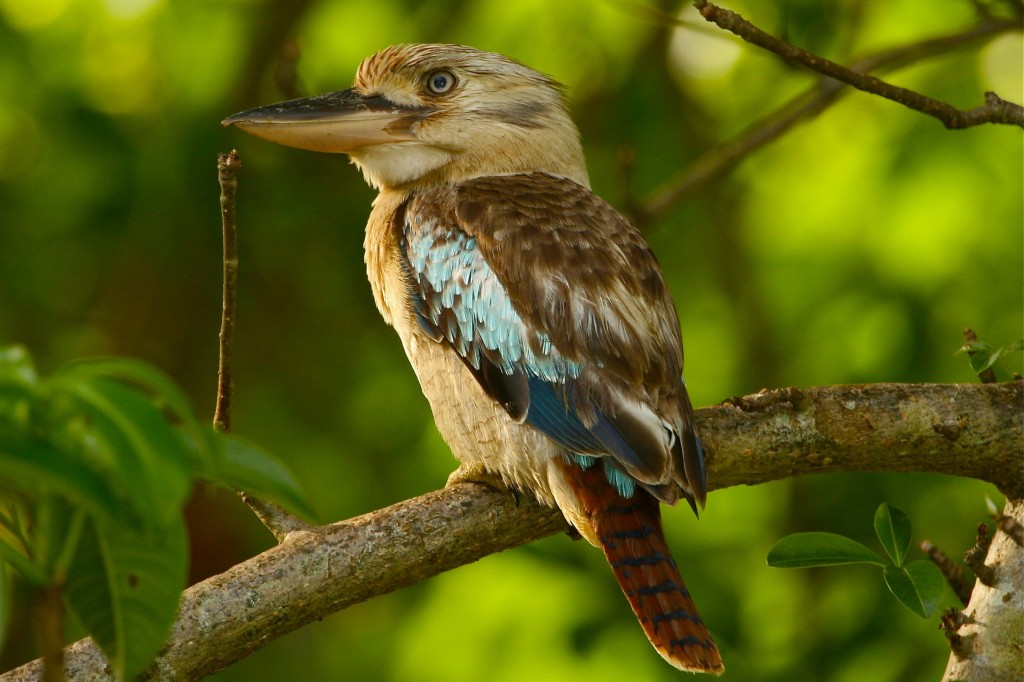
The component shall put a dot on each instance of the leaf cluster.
(917, 584)
(96, 463)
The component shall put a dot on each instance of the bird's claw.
(476, 473)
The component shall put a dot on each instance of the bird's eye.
(440, 82)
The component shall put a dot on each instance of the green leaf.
(31, 467)
(802, 550)
(161, 391)
(984, 360)
(247, 467)
(146, 451)
(124, 585)
(918, 585)
(893, 529)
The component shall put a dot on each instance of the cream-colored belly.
(476, 428)
(480, 432)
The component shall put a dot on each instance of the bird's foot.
(476, 473)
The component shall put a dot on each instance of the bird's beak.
(337, 122)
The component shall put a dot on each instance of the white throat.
(393, 165)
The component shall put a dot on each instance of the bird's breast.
(475, 427)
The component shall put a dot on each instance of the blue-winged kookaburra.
(534, 315)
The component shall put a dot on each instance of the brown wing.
(587, 297)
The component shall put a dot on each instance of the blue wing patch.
(461, 300)
(550, 412)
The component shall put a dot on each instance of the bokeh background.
(853, 249)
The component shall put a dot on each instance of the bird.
(534, 315)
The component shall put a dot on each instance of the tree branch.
(722, 158)
(995, 109)
(965, 430)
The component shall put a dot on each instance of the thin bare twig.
(719, 160)
(277, 520)
(227, 166)
(995, 109)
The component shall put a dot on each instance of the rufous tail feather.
(630, 533)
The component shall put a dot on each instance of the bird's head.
(433, 114)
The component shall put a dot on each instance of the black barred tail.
(632, 539)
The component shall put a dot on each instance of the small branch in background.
(953, 572)
(277, 520)
(975, 557)
(721, 159)
(995, 109)
(987, 376)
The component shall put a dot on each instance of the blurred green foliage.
(853, 249)
(96, 463)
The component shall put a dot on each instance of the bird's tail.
(630, 533)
